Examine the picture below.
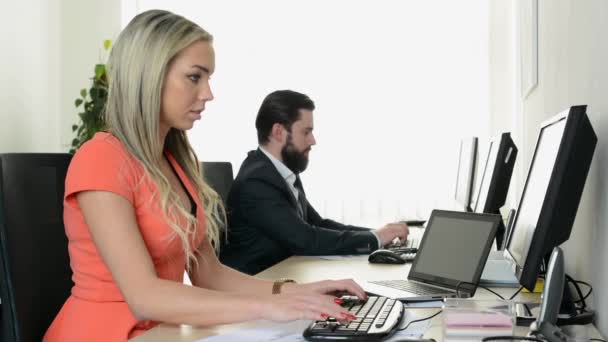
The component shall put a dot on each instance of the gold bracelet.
(276, 287)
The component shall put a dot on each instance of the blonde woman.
(137, 211)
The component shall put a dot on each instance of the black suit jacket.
(266, 228)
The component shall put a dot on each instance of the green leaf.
(75, 142)
(78, 102)
(107, 44)
(83, 93)
(100, 69)
(74, 128)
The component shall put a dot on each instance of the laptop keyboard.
(377, 317)
(412, 287)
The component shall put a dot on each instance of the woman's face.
(186, 88)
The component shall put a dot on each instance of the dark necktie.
(301, 197)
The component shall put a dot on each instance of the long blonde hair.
(137, 67)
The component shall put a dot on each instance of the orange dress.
(96, 310)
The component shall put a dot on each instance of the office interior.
(404, 81)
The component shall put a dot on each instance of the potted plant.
(92, 103)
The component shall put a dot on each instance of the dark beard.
(295, 160)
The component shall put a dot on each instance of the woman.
(137, 211)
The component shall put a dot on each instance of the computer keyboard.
(377, 318)
(405, 247)
(412, 287)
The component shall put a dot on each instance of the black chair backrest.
(35, 274)
(219, 177)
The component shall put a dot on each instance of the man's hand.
(391, 231)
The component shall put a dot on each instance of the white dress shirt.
(290, 179)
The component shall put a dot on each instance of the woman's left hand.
(327, 286)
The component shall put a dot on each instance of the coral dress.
(96, 310)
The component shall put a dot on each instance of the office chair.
(35, 274)
(219, 176)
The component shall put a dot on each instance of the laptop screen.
(454, 248)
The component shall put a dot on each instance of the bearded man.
(269, 217)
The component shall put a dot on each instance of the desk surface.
(307, 269)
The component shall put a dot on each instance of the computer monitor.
(465, 176)
(552, 192)
(495, 180)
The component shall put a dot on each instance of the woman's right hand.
(293, 306)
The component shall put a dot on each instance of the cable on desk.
(420, 320)
(516, 293)
(580, 303)
(579, 292)
(483, 287)
(581, 298)
(588, 293)
(511, 338)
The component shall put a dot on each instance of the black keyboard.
(377, 318)
(412, 287)
(409, 246)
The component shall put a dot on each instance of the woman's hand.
(310, 301)
(303, 305)
(325, 287)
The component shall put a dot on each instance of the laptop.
(450, 258)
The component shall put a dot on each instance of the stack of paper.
(471, 320)
(463, 325)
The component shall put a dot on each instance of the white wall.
(30, 82)
(84, 27)
(49, 48)
(503, 106)
(573, 51)
(396, 84)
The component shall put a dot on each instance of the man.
(268, 214)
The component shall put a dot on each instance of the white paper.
(414, 330)
(277, 334)
(255, 335)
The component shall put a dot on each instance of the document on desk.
(415, 330)
(264, 331)
(256, 335)
(285, 333)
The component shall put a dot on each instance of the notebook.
(451, 256)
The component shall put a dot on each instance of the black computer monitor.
(495, 179)
(465, 176)
(552, 192)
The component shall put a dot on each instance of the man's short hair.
(281, 106)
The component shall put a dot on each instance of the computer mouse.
(385, 256)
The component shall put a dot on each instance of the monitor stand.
(502, 232)
(568, 314)
(567, 311)
(546, 327)
(526, 313)
(500, 235)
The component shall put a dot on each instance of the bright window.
(396, 85)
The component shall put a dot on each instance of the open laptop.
(451, 257)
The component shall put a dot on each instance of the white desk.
(306, 269)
